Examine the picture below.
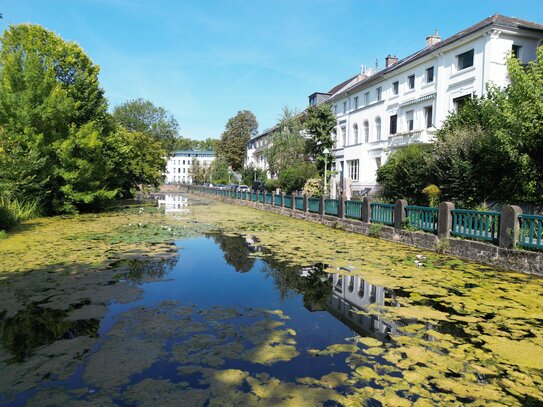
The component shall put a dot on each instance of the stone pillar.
(399, 213)
(273, 198)
(341, 207)
(306, 203)
(444, 220)
(366, 210)
(321, 206)
(509, 226)
(282, 199)
(293, 201)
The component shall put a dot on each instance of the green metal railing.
(477, 225)
(422, 217)
(531, 231)
(353, 209)
(268, 199)
(382, 213)
(277, 200)
(288, 201)
(261, 197)
(314, 205)
(331, 207)
(254, 196)
(299, 202)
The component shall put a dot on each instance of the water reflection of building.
(352, 298)
(173, 203)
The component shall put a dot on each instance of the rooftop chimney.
(433, 39)
(389, 60)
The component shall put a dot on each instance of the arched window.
(351, 284)
(366, 131)
(355, 133)
(361, 288)
(378, 128)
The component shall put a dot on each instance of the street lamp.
(326, 153)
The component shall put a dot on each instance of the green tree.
(406, 173)
(218, 170)
(197, 172)
(138, 160)
(54, 119)
(238, 131)
(288, 146)
(143, 116)
(294, 178)
(250, 172)
(320, 124)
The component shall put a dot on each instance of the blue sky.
(204, 60)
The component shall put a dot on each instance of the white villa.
(180, 163)
(379, 112)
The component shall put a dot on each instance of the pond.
(210, 304)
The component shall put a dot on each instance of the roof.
(193, 152)
(494, 20)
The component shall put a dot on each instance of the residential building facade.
(178, 167)
(404, 103)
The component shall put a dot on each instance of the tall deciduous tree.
(238, 131)
(288, 146)
(320, 124)
(143, 116)
(54, 118)
(197, 172)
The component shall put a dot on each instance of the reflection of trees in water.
(312, 281)
(236, 251)
(141, 269)
(36, 326)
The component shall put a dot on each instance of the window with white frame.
(335, 109)
(344, 107)
(355, 133)
(411, 82)
(344, 135)
(515, 50)
(353, 169)
(429, 74)
(356, 102)
(378, 128)
(409, 120)
(378, 94)
(366, 98)
(366, 131)
(464, 60)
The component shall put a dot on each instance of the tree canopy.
(320, 123)
(238, 131)
(288, 146)
(143, 116)
(59, 147)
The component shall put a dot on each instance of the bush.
(433, 193)
(294, 178)
(271, 185)
(7, 219)
(313, 187)
(13, 211)
(405, 174)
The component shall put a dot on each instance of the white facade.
(256, 148)
(179, 165)
(404, 103)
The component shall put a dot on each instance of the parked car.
(258, 186)
(243, 188)
(233, 187)
(220, 187)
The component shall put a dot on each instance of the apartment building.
(179, 165)
(404, 103)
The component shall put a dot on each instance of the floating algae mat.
(225, 305)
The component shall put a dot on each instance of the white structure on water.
(404, 103)
(179, 165)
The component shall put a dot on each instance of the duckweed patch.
(420, 328)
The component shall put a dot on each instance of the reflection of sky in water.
(203, 278)
(173, 203)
